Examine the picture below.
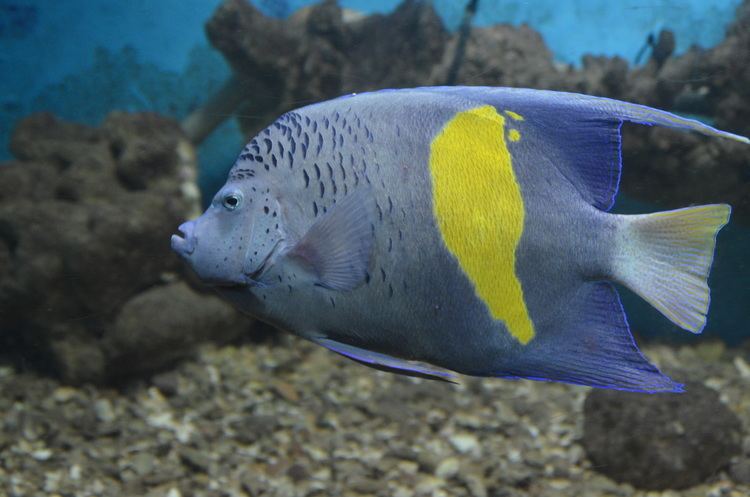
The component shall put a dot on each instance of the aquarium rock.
(319, 52)
(660, 441)
(84, 268)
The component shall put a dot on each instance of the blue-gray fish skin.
(438, 230)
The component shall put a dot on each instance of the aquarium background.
(80, 60)
(121, 375)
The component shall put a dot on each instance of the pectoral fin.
(385, 362)
(337, 249)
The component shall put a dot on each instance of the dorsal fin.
(579, 134)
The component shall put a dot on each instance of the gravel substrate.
(285, 418)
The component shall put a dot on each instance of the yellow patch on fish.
(479, 210)
(514, 135)
(514, 116)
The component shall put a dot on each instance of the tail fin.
(666, 257)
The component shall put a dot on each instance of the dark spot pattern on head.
(242, 173)
(367, 277)
(307, 178)
(390, 290)
(322, 190)
(317, 170)
(315, 208)
(268, 144)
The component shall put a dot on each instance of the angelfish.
(435, 231)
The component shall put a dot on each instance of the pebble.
(195, 460)
(64, 394)
(286, 391)
(464, 443)
(448, 468)
(475, 485)
(41, 454)
(104, 411)
(742, 367)
(428, 484)
(143, 463)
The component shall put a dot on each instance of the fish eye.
(231, 201)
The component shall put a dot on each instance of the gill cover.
(265, 235)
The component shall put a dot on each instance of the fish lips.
(184, 243)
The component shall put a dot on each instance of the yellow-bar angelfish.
(458, 229)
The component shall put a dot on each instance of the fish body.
(455, 229)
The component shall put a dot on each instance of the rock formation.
(88, 284)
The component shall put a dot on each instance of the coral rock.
(666, 441)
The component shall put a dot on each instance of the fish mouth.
(184, 243)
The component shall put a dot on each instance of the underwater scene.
(375, 248)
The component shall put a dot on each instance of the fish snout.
(184, 244)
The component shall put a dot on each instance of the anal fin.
(385, 362)
(591, 345)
